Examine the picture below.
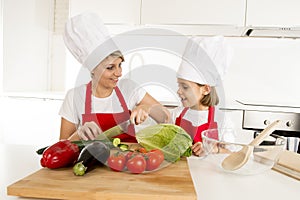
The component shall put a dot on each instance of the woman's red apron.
(108, 120)
(195, 131)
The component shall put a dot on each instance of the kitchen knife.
(124, 127)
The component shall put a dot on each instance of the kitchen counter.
(212, 183)
(18, 161)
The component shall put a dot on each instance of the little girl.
(203, 67)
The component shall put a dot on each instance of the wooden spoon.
(238, 159)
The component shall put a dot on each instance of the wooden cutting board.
(172, 182)
(289, 164)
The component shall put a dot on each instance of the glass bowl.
(261, 157)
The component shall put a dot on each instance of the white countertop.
(18, 161)
(211, 183)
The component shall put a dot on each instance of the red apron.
(108, 120)
(195, 131)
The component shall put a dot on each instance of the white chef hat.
(205, 60)
(88, 40)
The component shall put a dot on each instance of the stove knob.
(289, 123)
(266, 122)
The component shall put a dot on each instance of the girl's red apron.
(108, 120)
(195, 131)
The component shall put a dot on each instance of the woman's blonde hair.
(117, 54)
(211, 99)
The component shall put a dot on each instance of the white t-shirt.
(196, 117)
(199, 117)
(74, 103)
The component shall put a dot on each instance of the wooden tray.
(172, 182)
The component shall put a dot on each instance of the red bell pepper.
(60, 154)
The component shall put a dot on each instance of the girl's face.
(191, 93)
(108, 72)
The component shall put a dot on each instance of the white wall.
(26, 44)
(264, 70)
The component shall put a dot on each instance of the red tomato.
(159, 153)
(116, 162)
(128, 155)
(136, 164)
(154, 159)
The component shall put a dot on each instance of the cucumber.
(116, 142)
(123, 147)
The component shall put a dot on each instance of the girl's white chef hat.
(88, 40)
(205, 60)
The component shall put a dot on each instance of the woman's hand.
(89, 131)
(197, 149)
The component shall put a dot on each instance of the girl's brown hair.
(211, 99)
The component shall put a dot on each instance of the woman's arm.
(68, 130)
(150, 106)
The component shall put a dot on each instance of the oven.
(256, 116)
(257, 120)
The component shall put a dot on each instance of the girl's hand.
(158, 112)
(197, 149)
(139, 114)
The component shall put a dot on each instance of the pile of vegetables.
(158, 143)
(83, 155)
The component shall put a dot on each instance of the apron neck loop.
(88, 97)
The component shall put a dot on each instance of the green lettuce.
(171, 139)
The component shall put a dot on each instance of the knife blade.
(124, 127)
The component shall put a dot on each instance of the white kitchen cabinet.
(214, 12)
(111, 12)
(117, 14)
(270, 13)
(196, 17)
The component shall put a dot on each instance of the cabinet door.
(284, 13)
(111, 12)
(205, 12)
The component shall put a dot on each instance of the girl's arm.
(150, 106)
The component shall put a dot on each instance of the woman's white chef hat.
(205, 60)
(88, 40)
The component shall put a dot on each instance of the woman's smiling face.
(108, 72)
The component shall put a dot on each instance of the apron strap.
(88, 95)
(211, 114)
(179, 118)
(88, 101)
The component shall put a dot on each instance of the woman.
(105, 101)
(204, 64)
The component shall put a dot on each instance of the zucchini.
(93, 154)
